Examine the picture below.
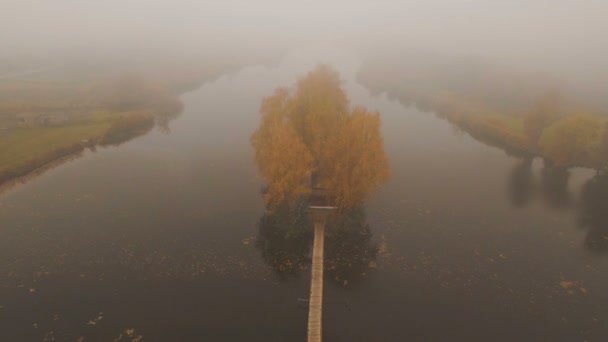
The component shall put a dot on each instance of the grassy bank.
(42, 121)
(526, 114)
(53, 116)
(26, 149)
(64, 108)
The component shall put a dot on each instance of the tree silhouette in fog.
(313, 131)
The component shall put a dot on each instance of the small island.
(312, 148)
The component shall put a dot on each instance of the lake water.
(157, 237)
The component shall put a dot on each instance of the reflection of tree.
(349, 246)
(521, 183)
(162, 121)
(594, 212)
(285, 237)
(592, 206)
(312, 148)
(554, 186)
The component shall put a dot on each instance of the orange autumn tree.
(313, 131)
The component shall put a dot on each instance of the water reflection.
(313, 150)
(162, 123)
(521, 183)
(350, 251)
(593, 212)
(285, 238)
(552, 189)
(554, 186)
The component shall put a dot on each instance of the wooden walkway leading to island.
(315, 305)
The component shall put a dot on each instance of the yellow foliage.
(318, 107)
(570, 141)
(354, 159)
(313, 131)
(282, 158)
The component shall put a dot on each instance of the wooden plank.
(315, 307)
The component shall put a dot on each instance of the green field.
(25, 149)
(24, 144)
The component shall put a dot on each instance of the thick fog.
(565, 37)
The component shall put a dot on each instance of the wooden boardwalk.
(315, 306)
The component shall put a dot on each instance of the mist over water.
(164, 235)
(562, 37)
(159, 235)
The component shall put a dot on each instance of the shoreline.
(12, 183)
(492, 129)
(130, 124)
(121, 132)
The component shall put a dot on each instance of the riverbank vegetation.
(525, 113)
(56, 111)
(551, 185)
(25, 149)
(39, 125)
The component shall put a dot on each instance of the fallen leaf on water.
(566, 284)
(94, 321)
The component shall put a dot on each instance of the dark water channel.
(159, 238)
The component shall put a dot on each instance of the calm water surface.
(157, 237)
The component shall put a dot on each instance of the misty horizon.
(286, 171)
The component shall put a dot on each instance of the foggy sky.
(566, 37)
